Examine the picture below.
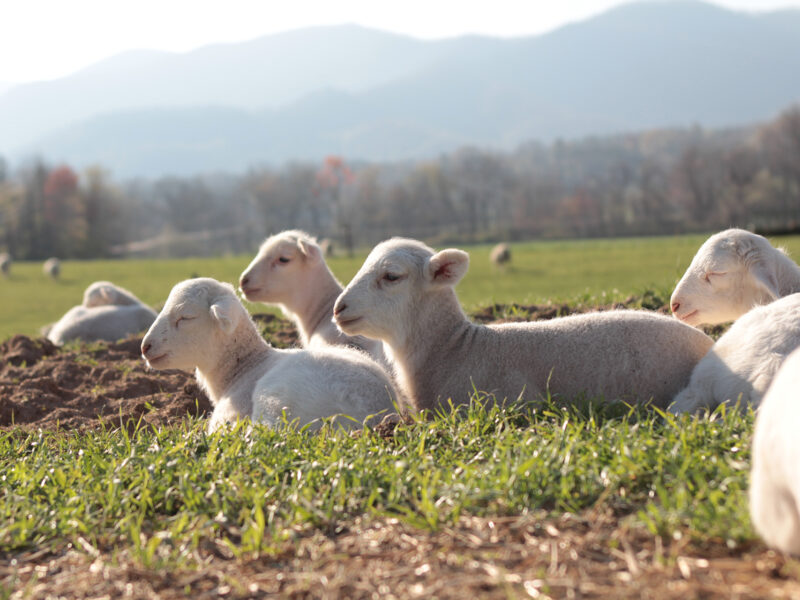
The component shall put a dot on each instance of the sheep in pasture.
(775, 474)
(290, 271)
(204, 326)
(500, 255)
(744, 360)
(5, 264)
(108, 323)
(404, 295)
(732, 272)
(52, 268)
(105, 293)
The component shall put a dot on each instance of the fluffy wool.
(743, 362)
(775, 475)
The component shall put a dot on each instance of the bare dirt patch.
(42, 386)
(590, 555)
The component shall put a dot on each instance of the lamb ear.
(226, 313)
(309, 249)
(447, 267)
(764, 276)
(105, 292)
(763, 271)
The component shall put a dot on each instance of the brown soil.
(42, 386)
(589, 555)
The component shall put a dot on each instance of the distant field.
(540, 271)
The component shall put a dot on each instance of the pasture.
(590, 271)
(546, 502)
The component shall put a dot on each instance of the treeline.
(656, 182)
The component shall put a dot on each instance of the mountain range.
(373, 95)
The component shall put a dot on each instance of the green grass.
(162, 493)
(597, 271)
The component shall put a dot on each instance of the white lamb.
(5, 263)
(744, 360)
(290, 271)
(732, 272)
(52, 268)
(204, 326)
(404, 296)
(107, 323)
(775, 475)
(105, 293)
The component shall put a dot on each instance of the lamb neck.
(317, 310)
(442, 332)
(245, 351)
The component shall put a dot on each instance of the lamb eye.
(178, 322)
(391, 277)
(283, 259)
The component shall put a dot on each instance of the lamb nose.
(675, 306)
(244, 281)
(146, 348)
(339, 308)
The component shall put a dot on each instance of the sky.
(47, 39)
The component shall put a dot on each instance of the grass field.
(557, 502)
(540, 272)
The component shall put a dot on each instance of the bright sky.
(46, 39)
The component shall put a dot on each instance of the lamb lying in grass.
(203, 326)
(743, 362)
(775, 475)
(732, 272)
(404, 295)
(108, 313)
(103, 323)
(290, 271)
(105, 293)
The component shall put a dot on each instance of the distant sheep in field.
(106, 323)
(743, 362)
(775, 474)
(500, 255)
(732, 272)
(203, 326)
(108, 313)
(290, 271)
(105, 293)
(404, 295)
(52, 268)
(5, 264)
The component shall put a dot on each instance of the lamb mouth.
(685, 318)
(249, 291)
(347, 322)
(155, 359)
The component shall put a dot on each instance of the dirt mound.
(42, 386)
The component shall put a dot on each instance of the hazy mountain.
(378, 96)
(263, 73)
